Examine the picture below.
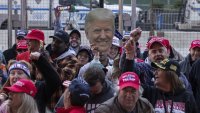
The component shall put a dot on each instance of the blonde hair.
(99, 14)
(11, 62)
(28, 104)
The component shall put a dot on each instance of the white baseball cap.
(116, 41)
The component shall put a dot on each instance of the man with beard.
(59, 48)
(75, 40)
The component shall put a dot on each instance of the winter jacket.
(95, 100)
(186, 65)
(73, 109)
(57, 59)
(182, 100)
(46, 88)
(24, 56)
(194, 78)
(11, 53)
(48, 48)
(113, 106)
(175, 55)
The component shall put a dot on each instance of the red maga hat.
(129, 79)
(195, 43)
(161, 40)
(22, 44)
(35, 34)
(23, 86)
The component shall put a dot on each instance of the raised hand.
(35, 55)
(130, 49)
(95, 51)
(136, 34)
(57, 12)
(66, 83)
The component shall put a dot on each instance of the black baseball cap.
(61, 35)
(167, 64)
(21, 34)
(87, 49)
(75, 31)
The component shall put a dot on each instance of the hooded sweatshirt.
(96, 100)
(181, 100)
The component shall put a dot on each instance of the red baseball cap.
(23, 86)
(195, 43)
(129, 79)
(22, 44)
(35, 34)
(161, 40)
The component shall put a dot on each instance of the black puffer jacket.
(186, 65)
(194, 78)
(10, 53)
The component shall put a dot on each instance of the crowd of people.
(108, 76)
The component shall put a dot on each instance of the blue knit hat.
(20, 66)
